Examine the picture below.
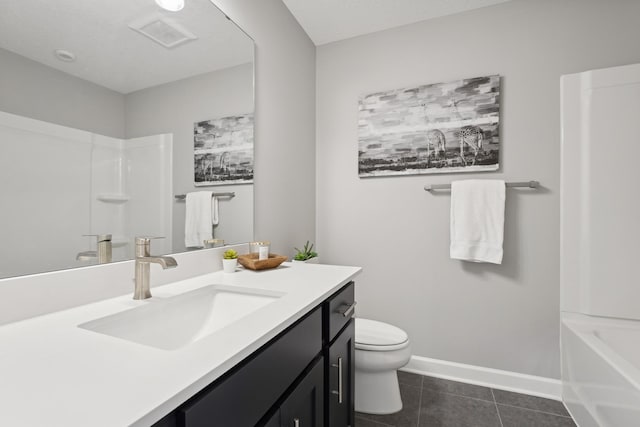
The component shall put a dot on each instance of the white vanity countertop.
(53, 373)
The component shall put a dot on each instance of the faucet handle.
(212, 243)
(143, 245)
(100, 237)
(146, 240)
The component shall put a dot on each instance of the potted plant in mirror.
(229, 261)
(306, 254)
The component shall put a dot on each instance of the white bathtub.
(601, 370)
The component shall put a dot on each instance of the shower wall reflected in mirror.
(98, 103)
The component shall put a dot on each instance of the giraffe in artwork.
(473, 136)
(436, 141)
(225, 163)
(207, 168)
(470, 135)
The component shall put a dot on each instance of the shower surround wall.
(37, 155)
(598, 275)
(504, 317)
(94, 184)
(131, 191)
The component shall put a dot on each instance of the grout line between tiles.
(534, 410)
(437, 390)
(462, 395)
(496, 405)
(372, 421)
(420, 401)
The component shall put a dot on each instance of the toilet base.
(377, 392)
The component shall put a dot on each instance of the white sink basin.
(175, 322)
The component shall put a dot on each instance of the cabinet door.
(304, 406)
(342, 378)
(247, 392)
(274, 421)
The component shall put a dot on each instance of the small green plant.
(306, 253)
(230, 254)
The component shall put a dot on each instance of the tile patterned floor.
(432, 402)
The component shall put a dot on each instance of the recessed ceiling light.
(171, 5)
(64, 55)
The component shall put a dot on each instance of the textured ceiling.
(111, 54)
(327, 21)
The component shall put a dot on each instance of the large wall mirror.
(109, 109)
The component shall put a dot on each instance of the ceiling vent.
(163, 31)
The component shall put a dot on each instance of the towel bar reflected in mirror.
(184, 196)
(527, 184)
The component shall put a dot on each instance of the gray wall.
(507, 316)
(285, 122)
(173, 108)
(31, 89)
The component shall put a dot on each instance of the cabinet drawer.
(340, 309)
(249, 390)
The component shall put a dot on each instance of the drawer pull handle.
(349, 311)
(339, 366)
(296, 422)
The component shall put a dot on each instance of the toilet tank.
(600, 192)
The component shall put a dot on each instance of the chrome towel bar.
(526, 184)
(184, 196)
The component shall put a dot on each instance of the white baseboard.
(495, 378)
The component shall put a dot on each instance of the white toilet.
(380, 350)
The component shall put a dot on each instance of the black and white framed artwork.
(434, 128)
(223, 151)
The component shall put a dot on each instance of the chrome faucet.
(103, 254)
(213, 243)
(143, 263)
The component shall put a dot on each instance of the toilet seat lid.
(372, 332)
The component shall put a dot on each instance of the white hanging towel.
(214, 211)
(477, 220)
(198, 224)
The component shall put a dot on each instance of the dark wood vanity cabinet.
(339, 335)
(341, 378)
(304, 377)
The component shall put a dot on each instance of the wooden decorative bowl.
(252, 262)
